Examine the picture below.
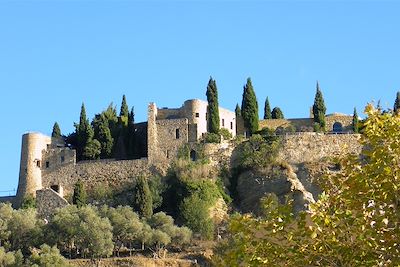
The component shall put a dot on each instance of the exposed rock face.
(280, 180)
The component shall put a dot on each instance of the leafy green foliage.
(212, 107)
(47, 256)
(124, 113)
(84, 133)
(56, 131)
(319, 109)
(267, 110)
(355, 222)
(277, 113)
(212, 138)
(250, 107)
(225, 133)
(194, 212)
(143, 201)
(92, 150)
(10, 258)
(28, 202)
(79, 197)
(157, 188)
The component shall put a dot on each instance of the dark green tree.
(396, 107)
(143, 202)
(319, 109)
(84, 133)
(79, 197)
(56, 131)
(213, 107)
(238, 111)
(355, 122)
(250, 108)
(277, 113)
(103, 134)
(132, 151)
(267, 110)
(124, 113)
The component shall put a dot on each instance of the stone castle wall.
(312, 147)
(117, 174)
(48, 201)
(307, 124)
(171, 135)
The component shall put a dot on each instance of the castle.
(48, 168)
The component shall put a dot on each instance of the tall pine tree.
(143, 202)
(103, 134)
(213, 107)
(250, 108)
(355, 121)
(238, 111)
(267, 110)
(319, 109)
(396, 107)
(56, 131)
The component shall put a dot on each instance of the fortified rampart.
(338, 123)
(312, 147)
(116, 174)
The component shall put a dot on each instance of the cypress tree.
(355, 121)
(103, 134)
(56, 131)
(267, 110)
(277, 113)
(84, 132)
(396, 107)
(143, 202)
(79, 197)
(238, 111)
(213, 107)
(319, 109)
(250, 108)
(131, 132)
(124, 113)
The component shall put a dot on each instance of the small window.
(38, 163)
(56, 188)
(167, 153)
(177, 134)
(223, 122)
(197, 114)
(62, 159)
(231, 125)
(47, 164)
(48, 146)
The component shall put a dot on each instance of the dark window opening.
(193, 155)
(62, 159)
(48, 146)
(177, 134)
(231, 125)
(47, 164)
(55, 188)
(167, 153)
(337, 127)
(197, 115)
(38, 163)
(223, 122)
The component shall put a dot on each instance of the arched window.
(337, 127)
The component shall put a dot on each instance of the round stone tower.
(195, 111)
(30, 171)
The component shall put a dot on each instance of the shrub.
(226, 134)
(212, 138)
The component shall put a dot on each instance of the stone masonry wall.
(171, 135)
(116, 174)
(47, 202)
(312, 147)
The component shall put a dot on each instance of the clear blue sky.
(54, 55)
